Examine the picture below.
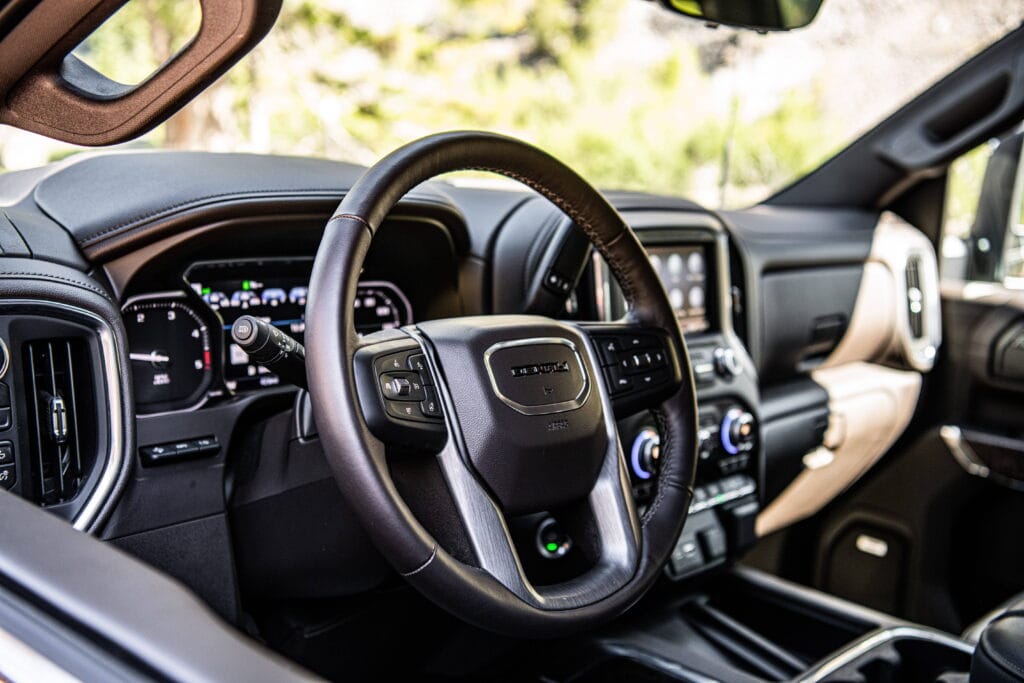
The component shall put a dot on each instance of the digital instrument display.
(169, 347)
(684, 273)
(275, 290)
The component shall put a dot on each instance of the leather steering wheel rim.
(357, 457)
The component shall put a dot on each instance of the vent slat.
(73, 411)
(915, 297)
(34, 409)
(53, 410)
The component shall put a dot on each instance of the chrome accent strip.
(549, 408)
(877, 639)
(7, 358)
(745, 490)
(153, 296)
(116, 457)
(23, 663)
(965, 456)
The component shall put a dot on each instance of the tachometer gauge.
(169, 347)
(380, 305)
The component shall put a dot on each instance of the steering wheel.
(520, 410)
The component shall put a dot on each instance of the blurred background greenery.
(631, 96)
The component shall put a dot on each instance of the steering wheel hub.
(535, 435)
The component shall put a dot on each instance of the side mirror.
(760, 15)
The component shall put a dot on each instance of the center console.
(690, 252)
(745, 626)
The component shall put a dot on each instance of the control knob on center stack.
(643, 456)
(739, 431)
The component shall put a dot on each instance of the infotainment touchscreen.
(684, 272)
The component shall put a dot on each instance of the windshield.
(631, 96)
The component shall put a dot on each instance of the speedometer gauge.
(169, 346)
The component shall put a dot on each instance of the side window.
(983, 237)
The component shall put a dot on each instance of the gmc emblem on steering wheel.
(541, 369)
(538, 376)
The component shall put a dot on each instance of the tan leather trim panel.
(870, 406)
(873, 323)
(879, 328)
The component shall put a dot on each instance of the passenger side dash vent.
(915, 297)
(57, 377)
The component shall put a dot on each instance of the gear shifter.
(999, 656)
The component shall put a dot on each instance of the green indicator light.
(552, 547)
(206, 290)
(719, 498)
(246, 285)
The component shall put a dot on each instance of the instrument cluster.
(179, 341)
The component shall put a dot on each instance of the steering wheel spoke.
(639, 365)
(610, 519)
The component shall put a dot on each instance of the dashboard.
(204, 464)
(181, 296)
(691, 254)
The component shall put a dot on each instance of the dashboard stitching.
(197, 201)
(66, 280)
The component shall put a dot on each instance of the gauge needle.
(153, 357)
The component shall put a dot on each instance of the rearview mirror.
(761, 15)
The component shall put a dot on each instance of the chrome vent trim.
(114, 462)
(915, 297)
(911, 259)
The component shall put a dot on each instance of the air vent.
(915, 297)
(57, 377)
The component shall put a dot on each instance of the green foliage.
(963, 190)
(567, 76)
(140, 37)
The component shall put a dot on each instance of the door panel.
(982, 423)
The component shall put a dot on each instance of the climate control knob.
(739, 431)
(643, 456)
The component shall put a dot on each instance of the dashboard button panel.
(635, 365)
(178, 451)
